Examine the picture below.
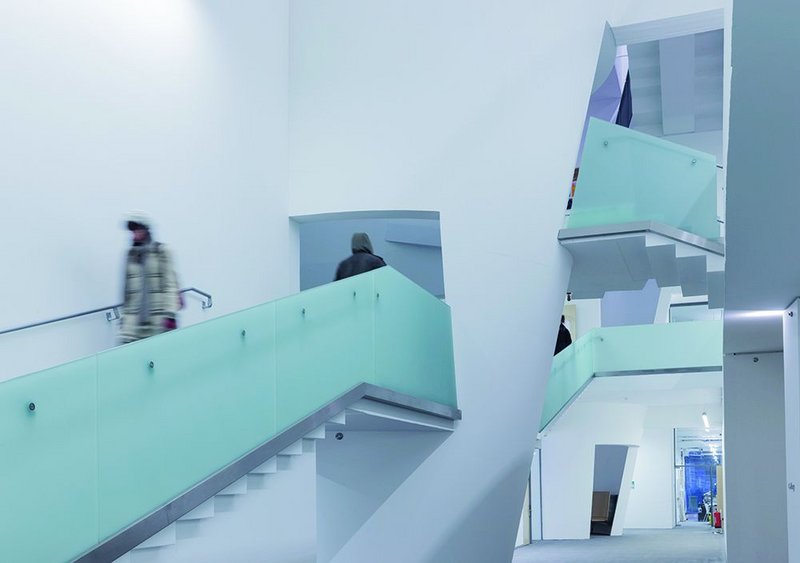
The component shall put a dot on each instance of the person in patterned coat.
(151, 298)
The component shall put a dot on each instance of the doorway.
(698, 476)
(609, 468)
(408, 241)
(530, 523)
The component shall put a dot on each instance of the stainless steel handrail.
(112, 312)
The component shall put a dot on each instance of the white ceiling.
(656, 390)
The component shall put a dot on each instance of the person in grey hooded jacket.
(362, 260)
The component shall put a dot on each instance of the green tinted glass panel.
(685, 345)
(48, 464)
(208, 399)
(640, 348)
(571, 370)
(413, 340)
(116, 436)
(324, 345)
(628, 176)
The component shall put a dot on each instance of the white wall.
(631, 12)
(588, 314)
(274, 521)
(178, 108)
(623, 501)
(181, 108)
(459, 108)
(609, 464)
(665, 299)
(755, 459)
(652, 500)
(568, 450)
(568, 461)
(355, 476)
(442, 106)
(637, 307)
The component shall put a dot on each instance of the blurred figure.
(564, 337)
(151, 300)
(362, 260)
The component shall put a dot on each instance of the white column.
(791, 392)
(755, 471)
(536, 495)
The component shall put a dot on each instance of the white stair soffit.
(381, 410)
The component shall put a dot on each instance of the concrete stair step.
(163, 538)
(205, 510)
(238, 487)
(269, 466)
(294, 449)
(317, 434)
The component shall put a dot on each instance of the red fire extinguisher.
(717, 519)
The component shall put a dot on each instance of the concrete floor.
(688, 544)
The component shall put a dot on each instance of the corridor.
(688, 544)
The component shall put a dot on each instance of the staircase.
(201, 444)
(625, 256)
(644, 208)
(700, 60)
(219, 528)
(271, 513)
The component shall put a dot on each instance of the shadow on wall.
(357, 475)
(503, 490)
(409, 242)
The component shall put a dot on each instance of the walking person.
(362, 260)
(564, 337)
(151, 299)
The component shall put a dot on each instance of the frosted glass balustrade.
(404, 313)
(630, 350)
(627, 176)
(207, 399)
(572, 369)
(328, 329)
(659, 347)
(48, 463)
(117, 435)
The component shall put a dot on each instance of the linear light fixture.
(758, 314)
(705, 421)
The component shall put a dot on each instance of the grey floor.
(688, 544)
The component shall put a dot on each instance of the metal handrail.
(112, 312)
